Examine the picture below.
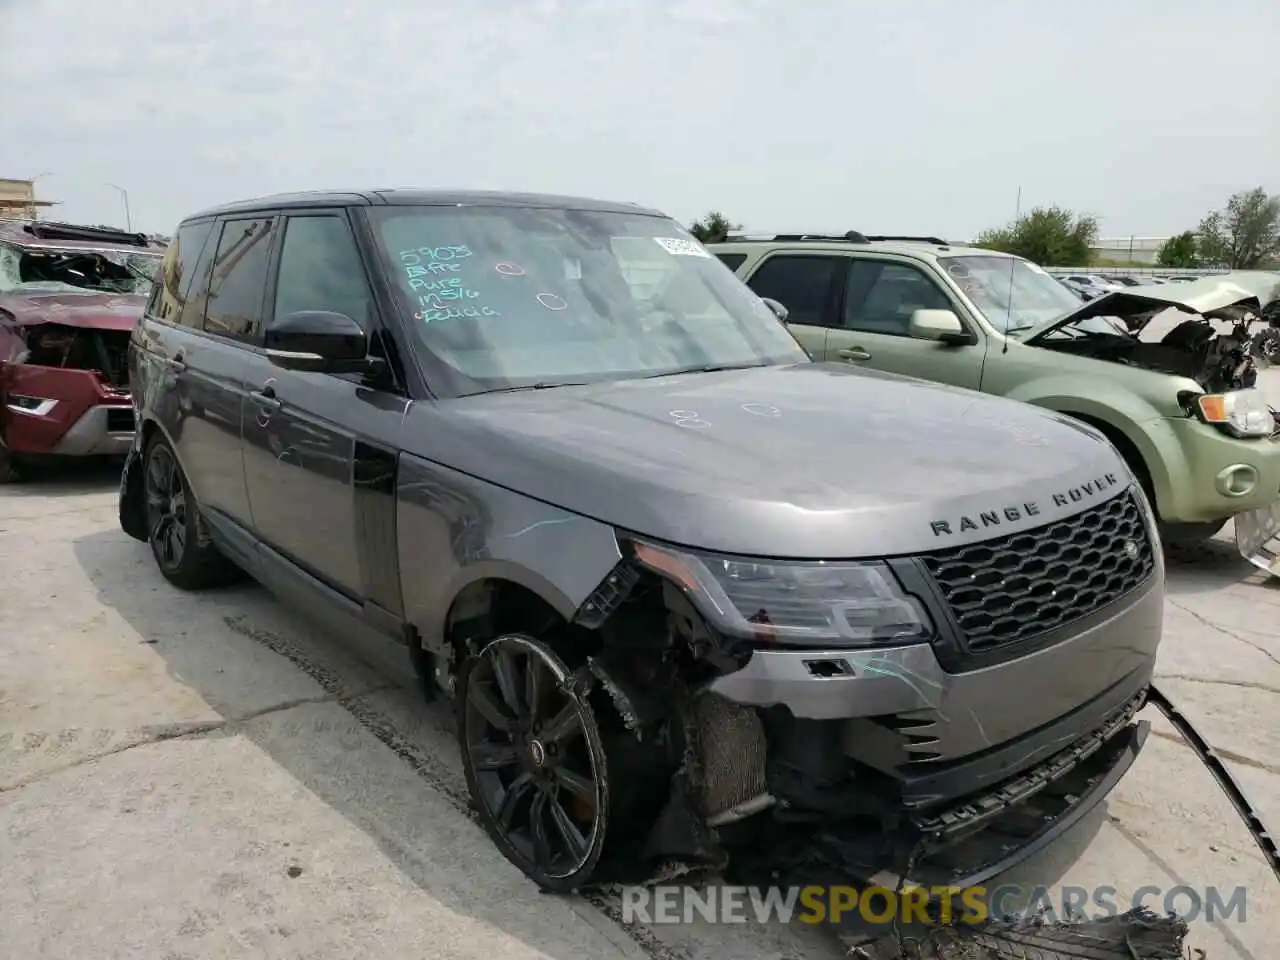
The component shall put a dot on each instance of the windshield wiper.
(537, 386)
(1019, 329)
(709, 368)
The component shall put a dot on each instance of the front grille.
(119, 420)
(1017, 587)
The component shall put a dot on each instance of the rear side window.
(802, 284)
(173, 284)
(732, 260)
(239, 278)
(320, 270)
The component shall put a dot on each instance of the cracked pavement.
(189, 776)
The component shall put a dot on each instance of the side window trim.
(929, 275)
(832, 299)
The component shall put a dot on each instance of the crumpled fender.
(454, 530)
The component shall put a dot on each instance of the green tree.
(715, 227)
(1245, 234)
(1179, 252)
(1049, 236)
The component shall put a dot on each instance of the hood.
(90, 310)
(1202, 296)
(809, 460)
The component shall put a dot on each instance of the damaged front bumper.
(1258, 537)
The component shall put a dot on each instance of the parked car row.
(1087, 286)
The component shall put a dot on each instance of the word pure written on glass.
(432, 275)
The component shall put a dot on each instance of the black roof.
(409, 196)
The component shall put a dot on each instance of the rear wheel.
(534, 760)
(173, 524)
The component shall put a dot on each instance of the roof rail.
(938, 240)
(43, 230)
(852, 236)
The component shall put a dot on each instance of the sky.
(789, 115)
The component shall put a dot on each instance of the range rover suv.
(695, 596)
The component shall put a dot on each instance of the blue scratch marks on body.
(534, 526)
(981, 729)
(881, 666)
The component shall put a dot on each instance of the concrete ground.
(191, 776)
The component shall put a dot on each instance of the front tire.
(1189, 534)
(534, 761)
(174, 525)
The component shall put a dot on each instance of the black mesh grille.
(1014, 588)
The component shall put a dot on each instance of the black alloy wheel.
(534, 761)
(166, 508)
(186, 559)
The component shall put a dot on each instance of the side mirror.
(778, 309)
(317, 341)
(940, 325)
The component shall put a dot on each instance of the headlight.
(1243, 413)
(805, 602)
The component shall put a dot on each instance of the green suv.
(1164, 372)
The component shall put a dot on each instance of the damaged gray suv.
(697, 598)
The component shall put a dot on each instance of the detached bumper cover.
(1258, 537)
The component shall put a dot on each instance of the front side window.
(801, 283)
(234, 306)
(1014, 295)
(512, 297)
(320, 270)
(880, 297)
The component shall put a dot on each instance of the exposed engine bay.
(104, 352)
(1214, 348)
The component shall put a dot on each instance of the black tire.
(174, 529)
(1190, 534)
(534, 761)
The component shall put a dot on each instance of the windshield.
(512, 297)
(1014, 295)
(44, 270)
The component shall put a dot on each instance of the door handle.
(266, 398)
(853, 353)
(178, 362)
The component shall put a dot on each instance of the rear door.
(192, 380)
(877, 299)
(808, 285)
(321, 449)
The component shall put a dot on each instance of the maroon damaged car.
(69, 297)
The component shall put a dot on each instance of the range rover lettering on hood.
(1020, 511)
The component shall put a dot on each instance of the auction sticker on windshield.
(677, 246)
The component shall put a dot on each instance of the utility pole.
(124, 195)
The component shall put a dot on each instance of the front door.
(808, 285)
(320, 449)
(875, 310)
